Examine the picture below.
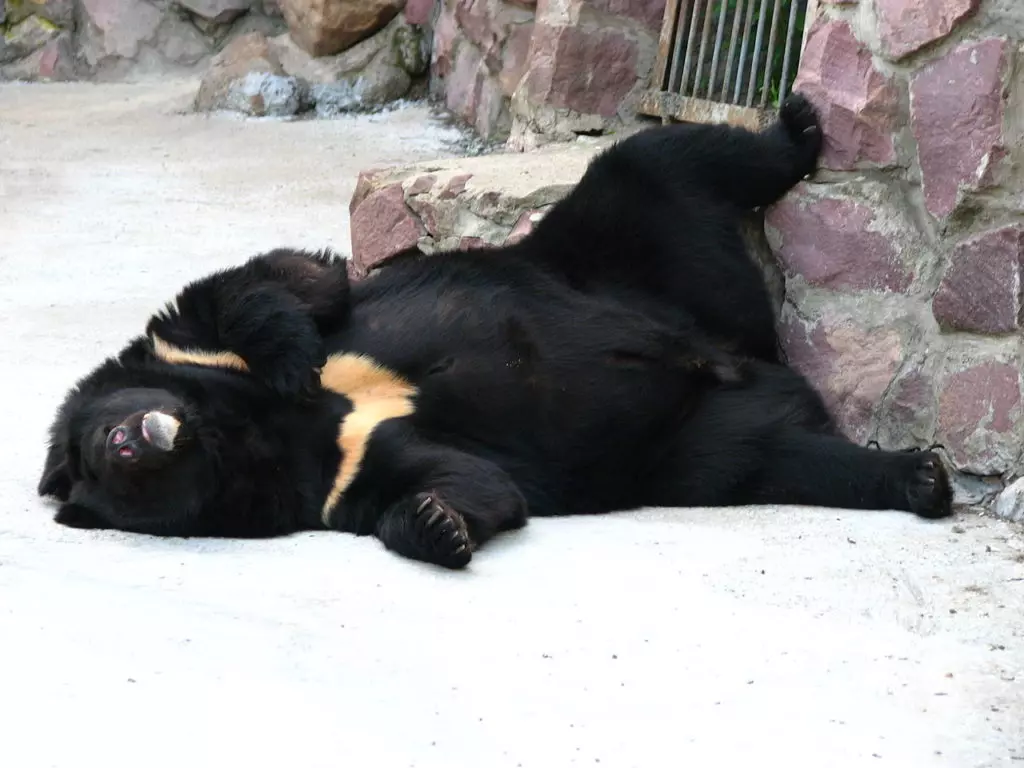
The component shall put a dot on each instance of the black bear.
(622, 355)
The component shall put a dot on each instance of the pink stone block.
(851, 366)
(978, 407)
(829, 243)
(905, 26)
(957, 119)
(588, 71)
(382, 225)
(981, 290)
(418, 11)
(859, 106)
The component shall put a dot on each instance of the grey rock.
(59, 12)
(242, 56)
(264, 95)
(1010, 503)
(377, 85)
(410, 50)
(217, 11)
(182, 43)
(24, 38)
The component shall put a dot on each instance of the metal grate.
(726, 60)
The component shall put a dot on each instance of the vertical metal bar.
(737, 15)
(757, 53)
(770, 56)
(790, 42)
(677, 54)
(741, 68)
(667, 41)
(705, 33)
(719, 34)
(689, 47)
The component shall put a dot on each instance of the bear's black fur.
(621, 355)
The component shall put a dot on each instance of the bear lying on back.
(621, 355)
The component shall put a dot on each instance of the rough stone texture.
(217, 11)
(327, 27)
(54, 61)
(478, 201)
(957, 119)
(981, 290)
(581, 70)
(648, 12)
(535, 72)
(325, 69)
(979, 416)
(373, 87)
(182, 42)
(382, 224)
(852, 365)
(117, 39)
(902, 256)
(250, 54)
(859, 105)
(836, 242)
(905, 26)
(25, 37)
(478, 55)
(263, 95)
(59, 12)
(1010, 503)
(121, 26)
(368, 75)
(418, 11)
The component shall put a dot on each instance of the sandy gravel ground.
(797, 637)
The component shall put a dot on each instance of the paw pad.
(441, 532)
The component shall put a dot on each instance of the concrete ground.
(800, 637)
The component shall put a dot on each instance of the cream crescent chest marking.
(171, 353)
(377, 395)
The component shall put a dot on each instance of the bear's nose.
(117, 436)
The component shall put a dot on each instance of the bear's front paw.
(929, 492)
(800, 119)
(292, 373)
(440, 532)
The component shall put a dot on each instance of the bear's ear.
(57, 477)
(56, 481)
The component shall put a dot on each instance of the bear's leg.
(746, 168)
(792, 465)
(771, 440)
(829, 471)
(427, 501)
(269, 313)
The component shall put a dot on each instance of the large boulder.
(327, 27)
(225, 84)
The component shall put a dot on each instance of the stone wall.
(903, 257)
(114, 39)
(538, 70)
